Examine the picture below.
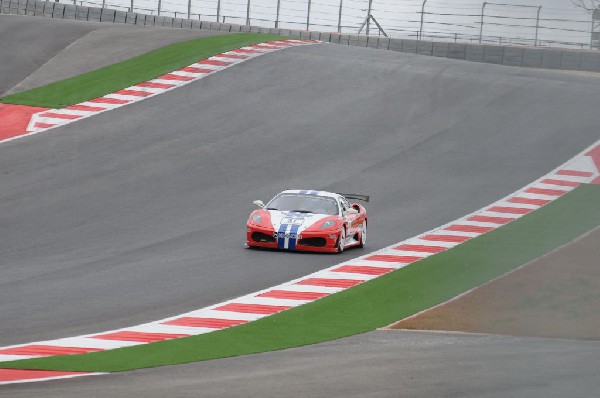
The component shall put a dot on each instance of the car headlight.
(328, 224)
(257, 218)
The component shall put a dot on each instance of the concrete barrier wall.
(441, 50)
(501, 55)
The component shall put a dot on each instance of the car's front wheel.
(363, 234)
(342, 243)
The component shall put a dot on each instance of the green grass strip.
(370, 305)
(133, 71)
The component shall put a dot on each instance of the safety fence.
(476, 52)
(471, 22)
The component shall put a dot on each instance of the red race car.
(307, 220)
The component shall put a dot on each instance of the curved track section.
(583, 169)
(139, 213)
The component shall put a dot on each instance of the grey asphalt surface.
(377, 364)
(36, 51)
(139, 213)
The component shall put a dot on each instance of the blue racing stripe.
(292, 242)
(280, 236)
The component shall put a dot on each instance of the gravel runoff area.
(557, 295)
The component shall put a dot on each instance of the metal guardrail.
(486, 22)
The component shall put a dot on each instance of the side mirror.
(259, 203)
(351, 211)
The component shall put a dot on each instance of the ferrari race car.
(316, 221)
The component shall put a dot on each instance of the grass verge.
(368, 306)
(133, 71)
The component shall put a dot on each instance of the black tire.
(363, 235)
(342, 242)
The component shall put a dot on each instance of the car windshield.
(304, 204)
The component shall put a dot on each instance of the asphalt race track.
(139, 213)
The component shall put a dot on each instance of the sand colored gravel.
(555, 296)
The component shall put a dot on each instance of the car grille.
(263, 238)
(314, 242)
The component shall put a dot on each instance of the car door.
(352, 220)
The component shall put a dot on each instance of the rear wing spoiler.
(364, 198)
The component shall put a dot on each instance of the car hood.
(286, 220)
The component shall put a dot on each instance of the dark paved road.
(138, 214)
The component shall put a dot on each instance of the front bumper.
(323, 242)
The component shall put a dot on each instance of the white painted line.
(156, 327)
(49, 378)
(422, 242)
(7, 358)
(210, 313)
(89, 342)
(274, 301)
(309, 288)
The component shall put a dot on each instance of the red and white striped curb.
(14, 376)
(583, 169)
(51, 118)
